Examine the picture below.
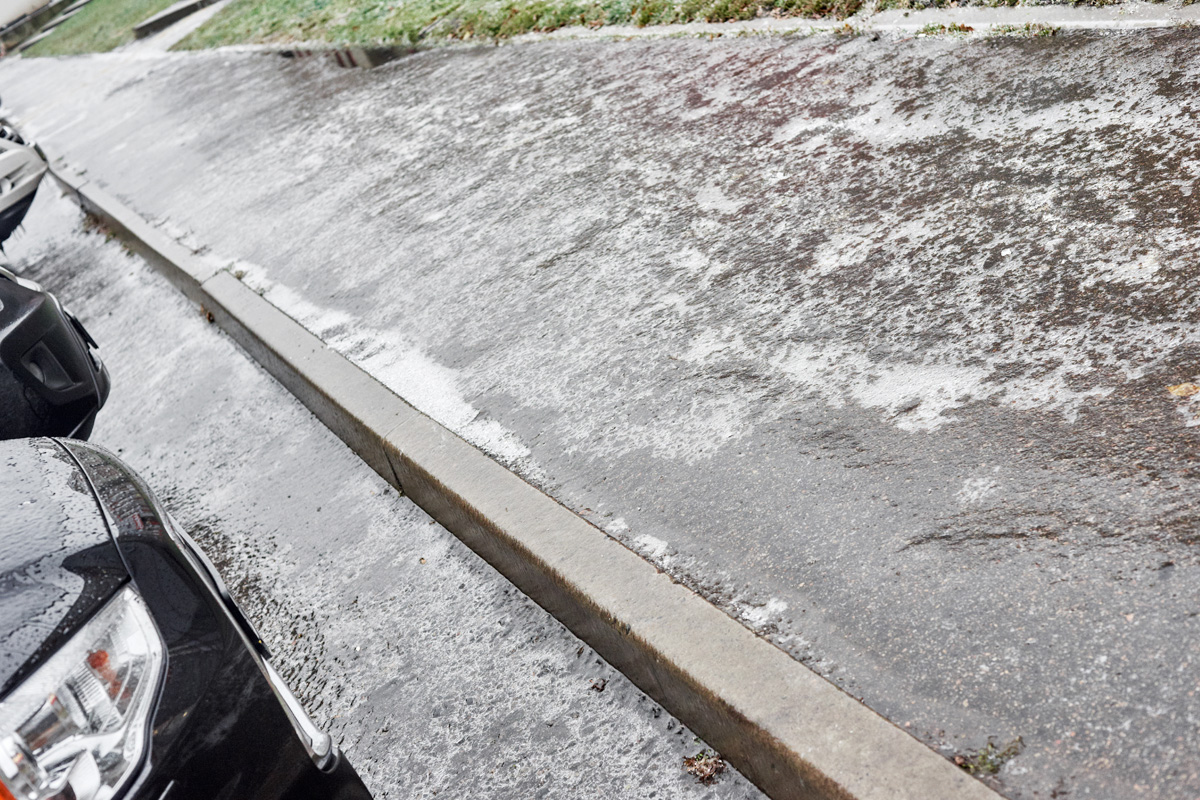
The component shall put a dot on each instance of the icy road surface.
(436, 676)
(870, 341)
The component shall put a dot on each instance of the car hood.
(58, 563)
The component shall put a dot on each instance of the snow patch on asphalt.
(975, 490)
(399, 364)
(760, 616)
(651, 547)
(617, 526)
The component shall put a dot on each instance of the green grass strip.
(99, 26)
(410, 21)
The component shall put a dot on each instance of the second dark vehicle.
(126, 669)
(52, 382)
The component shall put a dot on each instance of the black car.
(127, 670)
(52, 382)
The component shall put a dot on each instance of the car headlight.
(77, 726)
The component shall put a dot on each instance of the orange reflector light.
(99, 662)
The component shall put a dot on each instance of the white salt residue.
(529, 130)
(181, 235)
(718, 418)
(1190, 411)
(821, 370)
(1136, 269)
(915, 329)
(648, 173)
(674, 302)
(1189, 171)
(688, 261)
(714, 97)
(316, 145)
(617, 526)
(846, 249)
(759, 616)
(711, 198)
(974, 490)
(1052, 391)
(428, 386)
(885, 120)
(705, 344)
(516, 107)
(650, 546)
(796, 126)
(913, 396)
(917, 396)
(493, 437)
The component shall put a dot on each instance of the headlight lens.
(77, 726)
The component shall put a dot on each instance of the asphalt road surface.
(868, 340)
(434, 674)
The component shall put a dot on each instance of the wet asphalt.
(868, 340)
(434, 675)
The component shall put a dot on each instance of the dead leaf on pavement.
(1183, 389)
(705, 765)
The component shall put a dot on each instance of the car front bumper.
(225, 724)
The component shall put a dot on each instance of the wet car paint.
(58, 565)
(79, 527)
(218, 728)
(52, 383)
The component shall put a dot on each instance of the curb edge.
(791, 732)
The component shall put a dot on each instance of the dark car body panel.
(218, 729)
(58, 564)
(11, 217)
(52, 383)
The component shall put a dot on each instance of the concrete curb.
(789, 731)
(168, 17)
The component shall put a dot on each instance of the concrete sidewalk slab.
(66, 15)
(168, 37)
